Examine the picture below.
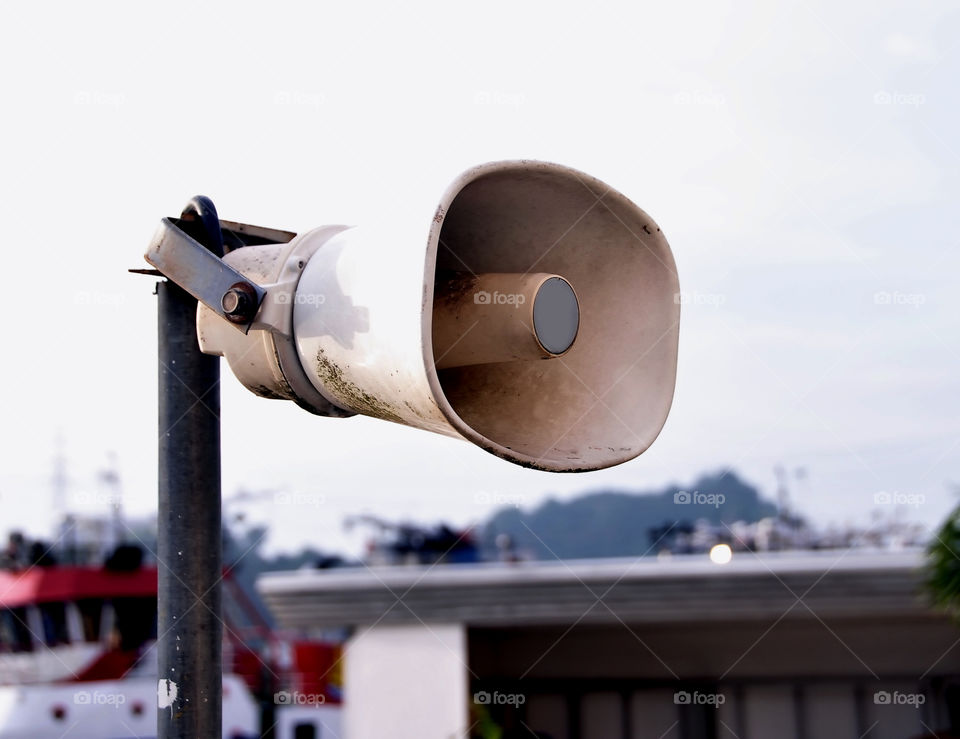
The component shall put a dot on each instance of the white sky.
(801, 157)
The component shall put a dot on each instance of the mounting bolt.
(239, 303)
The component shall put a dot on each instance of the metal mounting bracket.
(186, 262)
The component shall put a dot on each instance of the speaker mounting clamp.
(188, 263)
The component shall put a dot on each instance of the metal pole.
(189, 536)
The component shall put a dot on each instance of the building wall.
(803, 646)
(406, 682)
(801, 679)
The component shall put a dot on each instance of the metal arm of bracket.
(186, 262)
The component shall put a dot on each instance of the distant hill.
(617, 523)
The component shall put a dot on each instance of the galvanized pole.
(189, 525)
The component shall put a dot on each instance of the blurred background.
(801, 159)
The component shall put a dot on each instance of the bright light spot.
(720, 554)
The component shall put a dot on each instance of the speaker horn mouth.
(602, 315)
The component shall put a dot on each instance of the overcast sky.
(801, 158)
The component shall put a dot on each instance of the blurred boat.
(78, 656)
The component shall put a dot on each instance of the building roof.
(687, 588)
